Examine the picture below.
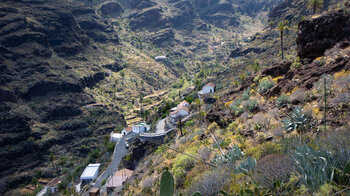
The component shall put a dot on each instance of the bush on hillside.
(265, 84)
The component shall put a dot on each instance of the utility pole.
(325, 103)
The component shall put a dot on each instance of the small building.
(127, 131)
(52, 186)
(179, 113)
(115, 136)
(90, 173)
(183, 103)
(160, 58)
(118, 179)
(141, 127)
(208, 88)
(94, 192)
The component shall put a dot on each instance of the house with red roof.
(206, 89)
(126, 131)
(118, 179)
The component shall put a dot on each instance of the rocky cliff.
(43, 44)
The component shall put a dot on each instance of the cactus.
(197, 194)
(166, 184)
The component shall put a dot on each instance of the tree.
(282, 27)
(315, 5)
(35, 182)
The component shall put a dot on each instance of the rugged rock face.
(318, 35)
(150, 18)
(111, 8)
(41, 95)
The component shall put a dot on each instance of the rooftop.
(183, 102)
(128, 129)
(124, 172)
(119, 177)
(180, 108)
(210, 84)
(90, 171)
(95, 190)
(116, 135)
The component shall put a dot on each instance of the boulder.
(277, 69)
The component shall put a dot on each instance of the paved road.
(160, 126)
(119, 152)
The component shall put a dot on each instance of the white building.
(208, 88)
(126, 131)
(179, 113)
(140, 128)
(90, 173)
(115, 136)
(160, 58)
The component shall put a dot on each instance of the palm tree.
(282, 26)
(315, 5)
(35, 182)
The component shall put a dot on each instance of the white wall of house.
(139, 128)
(182, 113)
(124, 132)
(207, 89)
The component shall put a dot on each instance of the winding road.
(119, 152)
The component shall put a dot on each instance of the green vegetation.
(166, 184)
(315, 5)
(297, 120)
(282, 27)
(282, 100)
(265, 84)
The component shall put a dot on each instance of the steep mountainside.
(57, 58)
(267, 131)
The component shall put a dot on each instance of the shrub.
(210, 182)
(232, 127)
(265, 84)
(119, 128)
(298, 96)
(271, 168)
(271, 148)
(204, 153)
(179, 175)
(282, 100)
(246, 95)
(184, 162)
(251, 105)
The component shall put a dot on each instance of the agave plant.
(315, 166)
(297, 121)
(234, 158)
(246, 166)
